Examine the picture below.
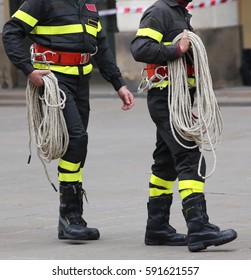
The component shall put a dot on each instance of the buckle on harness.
(85, 57)
(153, 75)
(156, 76)
(157, 72)
(43, 57)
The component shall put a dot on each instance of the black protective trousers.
(76, 114)
(171, 160)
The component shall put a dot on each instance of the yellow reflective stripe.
(158, 192)
(161, 182)
(151, 33)
(99, 26)
(68, 177)
(185, 193)
(25, 18)
(91, 30)
(80, 175)
(58, 30)
(191, 81)
(195, 186)
(68, 165)
(167, 43)
(87, 69)
(69, 70)
(162, 84)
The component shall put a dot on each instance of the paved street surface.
(116, 180)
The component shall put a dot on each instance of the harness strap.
(156, 76)
(162, 71)
(43, 54)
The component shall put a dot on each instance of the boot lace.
(166, 216)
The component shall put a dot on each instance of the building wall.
(221, 15)
(245, 21)
(218, 28)
(129, 22)
(1, 14)
(8, 74)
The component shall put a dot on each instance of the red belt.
(45, 55)
(163, 71)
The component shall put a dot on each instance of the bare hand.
(184, 42)
(36, 77)
(127, 98)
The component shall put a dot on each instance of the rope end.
(55, 189)
(29, 159)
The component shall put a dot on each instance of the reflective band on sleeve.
(148, 32)
(69, 70)
(67, 165)
(25, 18)
(58, 30)
(195, 186)
(160, 182)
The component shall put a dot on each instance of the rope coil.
(205, 129)
(46, 121)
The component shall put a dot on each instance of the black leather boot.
(71, 224)
(158, 229)
(201, 233)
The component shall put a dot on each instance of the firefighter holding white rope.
(66, 35)
(159, 25)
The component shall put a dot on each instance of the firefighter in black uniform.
(160, 24)
(66, 35)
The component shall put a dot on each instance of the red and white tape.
(133, 10)
(210, 3)
(122, 10)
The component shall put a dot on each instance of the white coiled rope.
(46, 121)
(205, 129)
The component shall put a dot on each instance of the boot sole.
(152, 242)
(63, 236)
(202, 245)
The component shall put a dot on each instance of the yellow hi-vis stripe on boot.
(187, 187)
(162, 186)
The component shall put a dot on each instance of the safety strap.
(156, 76)
(45, 55)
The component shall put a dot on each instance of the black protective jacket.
(63, 25)
(159, 25)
